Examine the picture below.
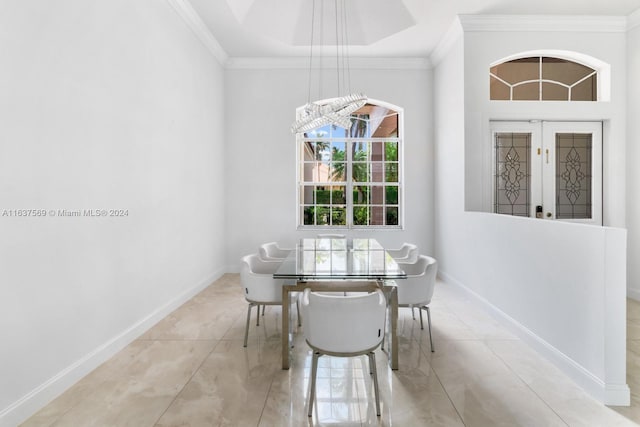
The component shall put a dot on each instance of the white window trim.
(349, 184)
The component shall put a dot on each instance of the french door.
(548, 170)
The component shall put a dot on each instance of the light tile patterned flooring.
(191, 370)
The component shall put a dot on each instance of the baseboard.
(22, 409)
(234, 268)
(609, 394)
(617, 395)
(633, 294)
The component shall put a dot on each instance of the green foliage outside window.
(324, 215)
(391, 195)
(361, 215)
(339, 216)
(330, 214)
(324, 197)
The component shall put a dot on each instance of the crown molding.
(446, 42)
(633, 20)
(550, 23)
(355, 63)
(193, 20)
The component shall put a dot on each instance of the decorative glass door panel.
(573, 176)
(550, 170)
(513, 173)
(572, 171)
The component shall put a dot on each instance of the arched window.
(352, 178)
(543, 78)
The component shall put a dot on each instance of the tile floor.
(191, 370)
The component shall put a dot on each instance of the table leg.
(285, 327)
(393, 302)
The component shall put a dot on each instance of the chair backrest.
(418, 287)
(343, 324)
(256, 279)
(400, 252)
(271, 251)
(407, 253)
(412, 254)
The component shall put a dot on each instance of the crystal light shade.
(337, 112)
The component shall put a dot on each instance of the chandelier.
(338, 111)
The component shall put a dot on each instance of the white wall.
(485, 47)
(633, 157)
(103, 105)
(448, 83)
(560, 286)
(261, 105)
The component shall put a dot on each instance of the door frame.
(542, 190)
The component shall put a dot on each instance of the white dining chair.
(259, 286)
(417, 289)
(343, 326)
(407, 253)
(272, 252)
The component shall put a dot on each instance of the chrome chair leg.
(312, 383)
(246, 329)
(258, 315)
(372, 367)
(429, 321)
(421, 324)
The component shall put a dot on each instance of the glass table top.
(331, 258)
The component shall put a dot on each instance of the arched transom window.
(543, 78)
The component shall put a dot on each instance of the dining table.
(340, 265)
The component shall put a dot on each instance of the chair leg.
(420, 311)
(413, 313)
(246, 330)
(372, 367)
(263, 307)
(312, 383)
(298, 311)
(429, 322)
(258, 315)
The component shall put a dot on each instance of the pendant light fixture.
(338, 111)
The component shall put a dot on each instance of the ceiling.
(377, 28)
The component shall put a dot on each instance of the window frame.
(602, 69)
(350, 184)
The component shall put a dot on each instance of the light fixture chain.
(342, 47)
(337, 50)
(313, 19)
(346, 44)
(321, 45)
